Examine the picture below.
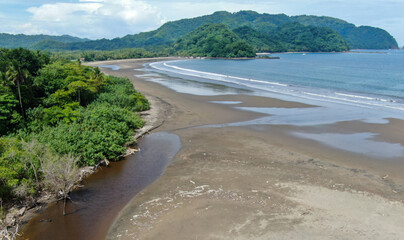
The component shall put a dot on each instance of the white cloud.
(93, 18)
(130, 11)
(62, 11)
(189, 9)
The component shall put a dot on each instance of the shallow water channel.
(105, 193)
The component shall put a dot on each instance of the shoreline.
(216, 171)
(251, 177)
(153, 119)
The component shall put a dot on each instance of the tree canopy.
(70, 114)
(27, 41)
(213, 40)
(357, 37)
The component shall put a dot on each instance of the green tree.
(97, 78)
(15, 175)
(83, 90)
(9, 118)
(56, 126)
(213, 40)
(17, 74)
(51, 78)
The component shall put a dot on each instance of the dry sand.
(259, 182)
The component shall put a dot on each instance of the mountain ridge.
(357, 37)
(8, 40)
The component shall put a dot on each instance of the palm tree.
(17, 75)
(97, 77)
(2, 78)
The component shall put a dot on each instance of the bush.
(80, 117)
(103, 128)
(100, 134)
(19, 167)
(120, 92)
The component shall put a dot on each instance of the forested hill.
(217, 40)
(213, 40)
(357, 37)
(26, 41)
(363, 37)
(294, 37)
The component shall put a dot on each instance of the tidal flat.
(261, 181)
(237, 175)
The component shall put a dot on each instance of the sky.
(97, 19)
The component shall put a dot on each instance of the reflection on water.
(361, 143)
(113, 67)
(227, 102)
(313, 116)
(195, 87)
(318, 115)
(106, 193)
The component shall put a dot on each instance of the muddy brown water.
(106, 192)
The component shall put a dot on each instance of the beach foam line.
(341, 98)
(223, 76)
(363, 97)
(189, 74)
(356, 101)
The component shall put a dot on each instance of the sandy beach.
(259, 182)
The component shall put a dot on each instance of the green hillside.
(294, 36)
(363, 37)
(26, 41)
(213, 40)
(261, 42)
(357, 37)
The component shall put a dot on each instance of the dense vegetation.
(363, 37)
(213, 40)
(27, 41)
(357, 37)
(127, 53)
(57, 113)
(294, 37)
(217, 40)
(261, 42)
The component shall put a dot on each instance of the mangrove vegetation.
(55, 116)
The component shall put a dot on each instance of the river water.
(105, 193)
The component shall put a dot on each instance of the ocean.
(370, 75)
(368, 79)
(362, 86)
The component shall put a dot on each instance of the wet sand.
(261, 182)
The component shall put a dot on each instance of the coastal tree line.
(55, 116)
(218, 40)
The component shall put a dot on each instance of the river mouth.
(94, 207)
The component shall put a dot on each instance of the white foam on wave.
(207, 74)
(372, 102)
(363, 97)
(289, 90)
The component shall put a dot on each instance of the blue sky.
(116, 18)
